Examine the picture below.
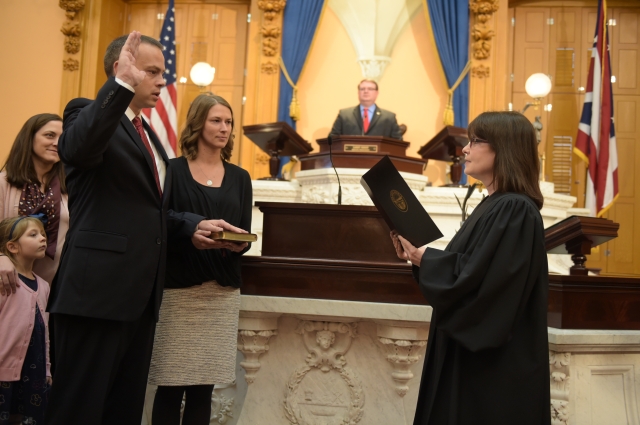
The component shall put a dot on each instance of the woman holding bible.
(487, 356)
(196, 337)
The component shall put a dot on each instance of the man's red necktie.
(365, 121)
(137, 122)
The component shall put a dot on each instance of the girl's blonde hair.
(12, 229)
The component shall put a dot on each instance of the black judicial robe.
(487, 358)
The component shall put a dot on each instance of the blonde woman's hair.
(196, 118)
(12, 229)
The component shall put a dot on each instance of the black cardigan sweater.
(187, 265)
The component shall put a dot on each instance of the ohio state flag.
(596, 141)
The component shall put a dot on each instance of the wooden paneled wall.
(555, 38)
(219, 32)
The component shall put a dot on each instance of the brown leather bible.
(234, 237)
(398, 204)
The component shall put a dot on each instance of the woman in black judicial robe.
(487, 356)
(195, 345)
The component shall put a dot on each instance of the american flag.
(596, 141)
(164, 118)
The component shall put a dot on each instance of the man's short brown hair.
(369, 80)
(113, 51)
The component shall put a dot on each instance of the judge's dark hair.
(196, 117)
(516, 167)
(113, 51)
(19, 165)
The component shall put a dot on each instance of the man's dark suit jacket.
(383, 123)
(114, 255)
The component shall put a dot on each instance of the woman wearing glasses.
(487, 356)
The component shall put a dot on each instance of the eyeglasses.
(475, 140)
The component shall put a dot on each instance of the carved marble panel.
(325, 389)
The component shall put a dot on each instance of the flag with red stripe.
(164, 118)
(596, 141)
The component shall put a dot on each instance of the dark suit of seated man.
(366, 119)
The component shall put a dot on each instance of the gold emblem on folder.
(399, 201)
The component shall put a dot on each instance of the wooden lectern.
(580, 301)
(447, 146)
(361, 152)
(577, 235)
(334, 252)
(275, 139)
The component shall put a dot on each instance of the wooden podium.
(361, 152)
(275, 139)
(577, 235)
(343, 252)
(335, 252)
(579, 301)
(447, 146)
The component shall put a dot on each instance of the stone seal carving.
(325, 390)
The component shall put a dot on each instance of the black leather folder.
(398, 204)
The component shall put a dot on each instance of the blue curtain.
(450, 24)
(299, 24)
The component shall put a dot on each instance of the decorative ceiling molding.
(374, 27)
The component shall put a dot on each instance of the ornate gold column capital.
(71, 28)
(482, 33)
(271, 31)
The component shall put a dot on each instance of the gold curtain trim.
(448, 118)
(294, 107)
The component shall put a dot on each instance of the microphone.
(329, 142)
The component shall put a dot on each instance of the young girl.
(24, 336)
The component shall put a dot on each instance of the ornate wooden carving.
(482, 33)
(480, 71)
(71, 29)
(70, 64)
(269, 67)
(271, 32)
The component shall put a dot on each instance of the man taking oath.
(366, 119)
(107, 293)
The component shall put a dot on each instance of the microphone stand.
(329, 142)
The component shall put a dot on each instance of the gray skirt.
(196, 338)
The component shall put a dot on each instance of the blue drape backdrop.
(450, 25)
(299, 24)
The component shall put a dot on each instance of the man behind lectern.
(366, 119)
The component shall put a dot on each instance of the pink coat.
(17, 317)
(9, 199)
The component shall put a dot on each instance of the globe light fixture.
(202, 74)
(537, 86)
